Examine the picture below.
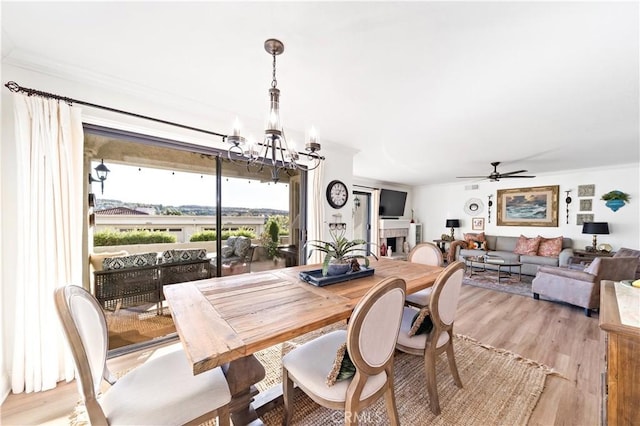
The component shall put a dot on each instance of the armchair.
(582, 288)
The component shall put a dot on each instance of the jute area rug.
(489, 280)
(138, 324)
(499, 388)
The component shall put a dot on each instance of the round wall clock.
(337, 194)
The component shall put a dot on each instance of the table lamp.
(595, 228)
(453, 223)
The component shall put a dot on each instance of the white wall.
(436, 203)
(338, 164)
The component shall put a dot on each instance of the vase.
(614, 204)
(338, 268)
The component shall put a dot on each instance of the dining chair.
(426, 254)
(161, 391)
(442, 312)
(370, 340)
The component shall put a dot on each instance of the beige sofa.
(504, 246)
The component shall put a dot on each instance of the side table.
(443, 245)
(584, 258)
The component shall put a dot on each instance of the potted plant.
(615, 199)
(340, 253)
(270, 239)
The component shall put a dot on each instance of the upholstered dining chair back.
(427, 254)
(446, 291)
(163, 390)
(86, 330)
(370, 345)
(441, 310)
(374, 324)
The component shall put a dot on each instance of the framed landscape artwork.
(535, 206)
(477, 224)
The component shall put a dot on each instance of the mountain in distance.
(188, 210)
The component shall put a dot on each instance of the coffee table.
(504, 267)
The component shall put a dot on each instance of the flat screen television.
(392, 203)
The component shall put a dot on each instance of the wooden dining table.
(222, 321)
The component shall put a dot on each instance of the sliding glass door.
(171, 212)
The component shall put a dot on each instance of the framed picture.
(586, 190)
(586, 205)
(535, 206)
(581, 218)
(477, 224)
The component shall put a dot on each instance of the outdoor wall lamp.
(102, 171)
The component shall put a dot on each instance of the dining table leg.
(242, 374)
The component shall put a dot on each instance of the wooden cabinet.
(621, 379)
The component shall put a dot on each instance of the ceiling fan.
(495, 176)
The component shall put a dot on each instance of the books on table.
(493, 259)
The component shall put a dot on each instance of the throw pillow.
(231, 242)
(343, 367)
(190, 254)
(96, 259)
(550, 247)
(133, 261)
(476, 241)
(242, 246)
(171, 256)
(227, 251)
(421, 323)
(476, 245)
(527, 246)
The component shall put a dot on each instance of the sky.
(157, 186)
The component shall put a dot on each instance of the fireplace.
(394, 233)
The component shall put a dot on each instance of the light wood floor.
(557, 335)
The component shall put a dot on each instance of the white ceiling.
(424, 91)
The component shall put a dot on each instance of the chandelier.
(273, 150)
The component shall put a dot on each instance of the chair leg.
(287, 396)
(223, 416)
(432, 386)
(587, 312)
(451, 357)
(390, 402)
(536, 296)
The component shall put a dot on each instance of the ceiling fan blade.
(472, 177)
(511, 177)
(513, 173)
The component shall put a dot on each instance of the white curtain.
(315, 214)
(49, 142)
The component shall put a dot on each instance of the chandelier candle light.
(274, 148)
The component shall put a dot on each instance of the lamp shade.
(453, 223)
(599, 228)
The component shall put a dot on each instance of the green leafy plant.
(115, 238)
(340, 250)
(211, 235)
(270, 238)
(616, 195)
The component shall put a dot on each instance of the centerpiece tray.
(315, 276)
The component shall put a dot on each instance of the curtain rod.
(16, 88)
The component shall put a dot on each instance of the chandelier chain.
(274, 81)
